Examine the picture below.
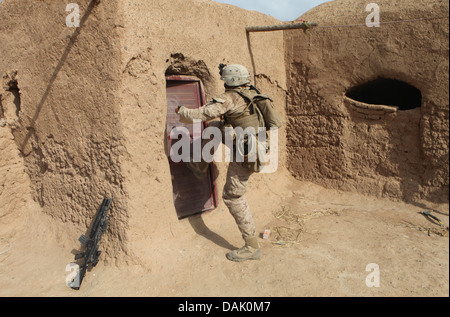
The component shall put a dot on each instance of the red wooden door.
(190, 194)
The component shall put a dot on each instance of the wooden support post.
(288, 26)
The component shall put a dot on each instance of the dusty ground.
(321, 241)
(320, 245)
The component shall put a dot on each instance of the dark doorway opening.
(14, 89)
(191, 195)
(389, 92)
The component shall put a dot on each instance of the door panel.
(190, 194)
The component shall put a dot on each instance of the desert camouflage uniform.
(229, 103)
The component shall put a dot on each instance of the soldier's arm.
(210, 111)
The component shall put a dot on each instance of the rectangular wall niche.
(191, 195)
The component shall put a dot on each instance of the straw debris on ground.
(290, 233)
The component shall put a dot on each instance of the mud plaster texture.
(85, 112)
(402, 155)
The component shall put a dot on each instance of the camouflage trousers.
(233, 193)
(233, 197)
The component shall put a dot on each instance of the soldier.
(232, 105)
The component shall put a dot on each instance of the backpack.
(262, 114)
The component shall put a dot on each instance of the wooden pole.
(289, 26)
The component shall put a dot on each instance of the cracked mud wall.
(403, 155)
(67, 129)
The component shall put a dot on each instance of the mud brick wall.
(401, 155)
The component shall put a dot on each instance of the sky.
(283, 10)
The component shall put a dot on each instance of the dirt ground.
(64, 150)
(321, 243)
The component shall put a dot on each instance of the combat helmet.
(234, 75)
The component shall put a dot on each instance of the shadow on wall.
(62, 60)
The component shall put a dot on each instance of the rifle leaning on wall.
(91, 253)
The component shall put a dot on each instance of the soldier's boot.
(250, 251)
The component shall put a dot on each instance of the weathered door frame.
(184, 78)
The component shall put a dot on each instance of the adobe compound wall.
(85, 108)
(66, 125)
(91, 118)
(193, 39)
(336, 143)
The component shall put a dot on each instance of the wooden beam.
(288, 26)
